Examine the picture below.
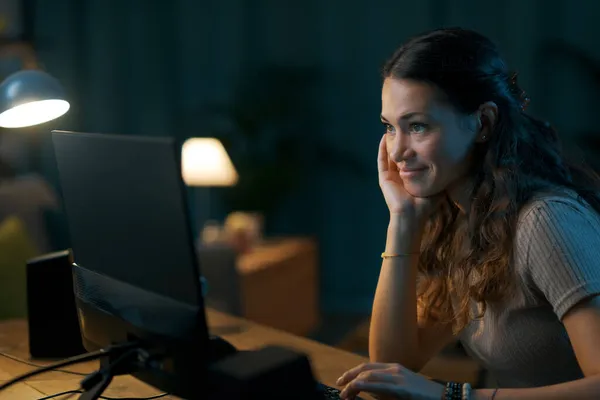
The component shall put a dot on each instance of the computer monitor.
(135, 274)
(136, 278)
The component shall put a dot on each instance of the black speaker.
(53, 325)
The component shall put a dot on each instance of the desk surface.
(328, 362)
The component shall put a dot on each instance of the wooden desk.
(328, 363)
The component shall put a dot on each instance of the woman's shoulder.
(557, 245)
(557, 205)
(552, 215)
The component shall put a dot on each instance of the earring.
(483, 137)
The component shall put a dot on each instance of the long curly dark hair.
(469, 259)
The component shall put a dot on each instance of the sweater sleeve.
(563, 252)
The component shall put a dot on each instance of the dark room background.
(152, 67)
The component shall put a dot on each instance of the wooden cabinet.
(275, 284)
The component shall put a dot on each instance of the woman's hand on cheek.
(388, 381)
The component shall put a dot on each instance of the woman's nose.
(401, 149)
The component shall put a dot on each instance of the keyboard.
(330, 393)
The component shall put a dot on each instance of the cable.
(69, 361)
(158, 396)
(52, 396)
(14, 358)
(86, 357)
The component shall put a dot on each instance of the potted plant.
(273, 133)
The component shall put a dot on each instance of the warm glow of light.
(33, 113)
(204, 162)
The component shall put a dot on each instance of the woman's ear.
(487, 115)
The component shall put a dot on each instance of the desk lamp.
(30, 97)
(205, 163)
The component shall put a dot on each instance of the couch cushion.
(16, 247)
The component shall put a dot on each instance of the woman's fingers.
(393, 168)
(387, 390)
(382, 157)
(375, 380)
(353, 373)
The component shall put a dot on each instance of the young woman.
(493, 238)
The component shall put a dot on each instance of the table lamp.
(30, 97)
(205, 163)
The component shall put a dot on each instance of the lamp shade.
(30, 97)
(204, 162)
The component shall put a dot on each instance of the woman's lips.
(411, 172)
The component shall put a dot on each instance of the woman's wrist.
(402, 237)
(484, 394)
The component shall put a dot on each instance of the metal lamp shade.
(30, 97)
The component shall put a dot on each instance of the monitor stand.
(95, 383)
(262, 373)
(128, 361)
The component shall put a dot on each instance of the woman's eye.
(389, 128)
(418, 127)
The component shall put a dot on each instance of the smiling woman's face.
(429, 141)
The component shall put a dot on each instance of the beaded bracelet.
(466, 391)
(457, 391)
